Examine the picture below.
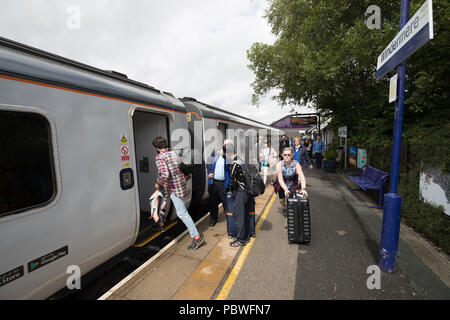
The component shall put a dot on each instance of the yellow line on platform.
(140, 245)
(246, 250)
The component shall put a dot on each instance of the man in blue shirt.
(218, 183)
(318, 149)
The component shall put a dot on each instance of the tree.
(326, 55)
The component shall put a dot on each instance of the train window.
(26, 163)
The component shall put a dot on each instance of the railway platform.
(179, 274)
(338, 264)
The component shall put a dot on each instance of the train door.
(195, 127)
(222, 127)
(147, 126)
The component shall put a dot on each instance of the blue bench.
(373, 179)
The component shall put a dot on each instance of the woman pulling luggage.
(289, 178)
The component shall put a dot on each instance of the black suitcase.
(298, 220)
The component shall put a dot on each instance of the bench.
(373, 179)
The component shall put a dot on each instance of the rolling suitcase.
(298, 220)
(231, 220)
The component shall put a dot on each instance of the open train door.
(196, 130)
(146, 127)
(222, 127)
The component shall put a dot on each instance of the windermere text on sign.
(413, 35)
(401, 37)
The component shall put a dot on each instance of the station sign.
(342, 132)
(416, 32)
(353, 155)
(361, 160)
(393, 88)
(302, 121)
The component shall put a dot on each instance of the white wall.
(434, 188)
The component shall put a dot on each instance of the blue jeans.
(183, 214)
(318, 156)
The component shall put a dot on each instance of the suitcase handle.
(299, 195)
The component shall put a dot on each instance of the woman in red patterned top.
(171, 181)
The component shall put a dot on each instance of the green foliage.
(425, 218)
(331, 152)
(324, 54)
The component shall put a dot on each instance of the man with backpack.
(245, 184)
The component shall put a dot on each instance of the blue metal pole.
(393, 201)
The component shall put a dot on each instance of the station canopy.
(296, 123)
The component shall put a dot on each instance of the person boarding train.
(172, 181)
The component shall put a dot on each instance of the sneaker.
(237, 243)
(196, 243)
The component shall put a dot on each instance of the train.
(77, 165)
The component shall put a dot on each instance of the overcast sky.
(195, 48)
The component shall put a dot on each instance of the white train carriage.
(77, 165)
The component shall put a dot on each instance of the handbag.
(276, 185)
(158, 207)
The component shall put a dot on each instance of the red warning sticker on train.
(124, 152)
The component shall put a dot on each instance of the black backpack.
(254, 184)
(186, 169)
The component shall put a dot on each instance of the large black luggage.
(298, 220)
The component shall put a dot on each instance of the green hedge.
(427, 219)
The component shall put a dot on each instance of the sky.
(195, 48)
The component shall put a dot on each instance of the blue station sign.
(416, 32)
